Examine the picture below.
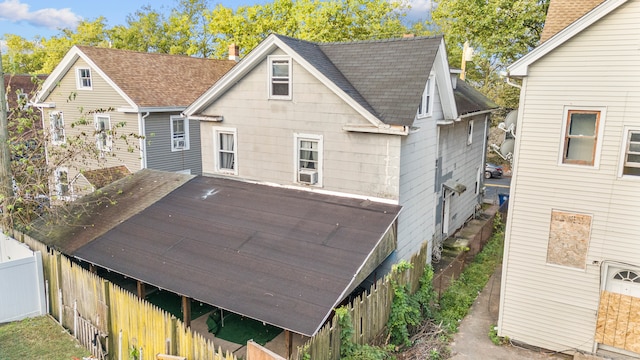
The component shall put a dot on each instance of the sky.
(31, 18)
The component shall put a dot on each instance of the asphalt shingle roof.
(469, 100)
(158, 80)
(386, 77)
(562, 13)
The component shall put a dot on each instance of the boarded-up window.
(569, 235)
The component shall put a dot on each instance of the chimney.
(408, 36)
(234, 52)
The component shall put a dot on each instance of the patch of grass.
(38, 338)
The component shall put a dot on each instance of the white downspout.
(143, 142)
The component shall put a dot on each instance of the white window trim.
(270, 60)
(429, 90)
(109, 145)
(623, 153)
(296, 165)
(52, 128)
(216, 149)
(79, 84)
(599, 135)
(470, 132)
(58, 185)
(187, 144)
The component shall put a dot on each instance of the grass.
(38, 338)
(239, 330)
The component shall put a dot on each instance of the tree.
(145, 31)
(500, 31)
(22, 56)
(313, 20)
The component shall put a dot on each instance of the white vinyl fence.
(22, 289)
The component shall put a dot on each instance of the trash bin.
(502, 198)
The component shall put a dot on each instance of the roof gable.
(383, 80)
(561, 13)
(146, 80)
(520, 67)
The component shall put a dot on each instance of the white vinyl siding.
(561, 303)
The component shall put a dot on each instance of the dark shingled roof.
(470, 100)
(102, 177)
(386, 77)
(282, 256)
(158, 80)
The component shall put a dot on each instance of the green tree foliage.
(144, 31)
(22, 56)
(500, 31)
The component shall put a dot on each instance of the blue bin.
(502, 198)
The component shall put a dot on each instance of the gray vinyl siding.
(546, 305)
(75, 103)
(459, 161)
(355, 163)
(158, 145)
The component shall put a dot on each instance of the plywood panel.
(569, 235)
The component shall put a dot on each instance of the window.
(83, 78)
(279, 77)
(627, 275)
(226, 151)
(426, 102)
(308, 159)
(470, 133)
(104, 136)
(581, 137)
(632, 154)
(62, 183)
(23, 100)
(179, 133)
(57, 127)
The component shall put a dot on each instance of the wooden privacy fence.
(89, 305)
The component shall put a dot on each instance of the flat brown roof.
(282, 256)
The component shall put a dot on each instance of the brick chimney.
(234, 52)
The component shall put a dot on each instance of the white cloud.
(420, 9)
(15, 11)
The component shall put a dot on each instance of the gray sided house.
(145, 92)
(379, 120)
(571, 268)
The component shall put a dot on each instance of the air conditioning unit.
(178, 144)
(308, 177)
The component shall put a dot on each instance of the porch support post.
(186, 311)
(288, 343)
(141, 291)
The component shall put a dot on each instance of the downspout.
(143, 141)
(505, 75)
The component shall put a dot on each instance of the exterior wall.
(158, 145)
(547, 305)
(460, 162)
(75, 104)
(354, 163)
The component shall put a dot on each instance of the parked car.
(492, 171)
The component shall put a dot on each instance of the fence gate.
(89, 336)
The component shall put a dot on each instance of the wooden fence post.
(60, 311)
(75, 319)
(107, 320)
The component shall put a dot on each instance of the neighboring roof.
(521, 67)
(561, 13)
(282, 256)
(99, 178)
(382, 79)
(471, 101)
(147, 80)
(24, 83)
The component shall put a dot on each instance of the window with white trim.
(179, 133)
(631, 165)
(83, 79)
(426, 101)
(104, 136)
(308, 159)
(581, 137)
(63, 190)
(56, 122)
(226, 146)
(23, 100)
(279, 77)
(470, 132)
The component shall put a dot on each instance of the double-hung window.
(179, 133)
(279, 77)
(631, 164)
(62, 183)
(56, 122)
(83, 79)
(426, 101)
(226, 146)
(104, 136)
(581, 137)
(308, 159)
